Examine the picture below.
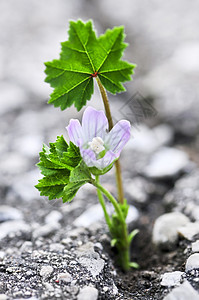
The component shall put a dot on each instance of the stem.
(110, 198)
(123, 243)
(101, 200)
(110, 122)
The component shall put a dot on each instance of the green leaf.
(79, 176)
(81, 173)
(113, 242)
(133, 265)
(56, 164)
(132, 235)
(83, 57)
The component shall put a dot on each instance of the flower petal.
(94, 124)
(74, 131)
(88, 157)
(118, 136)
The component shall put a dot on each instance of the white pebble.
(192, 262)
(46, 271)
(171, 278)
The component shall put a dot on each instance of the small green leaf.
(132, 235)
(133, 265)
(71, 189)
(113, 242)
(83, 57)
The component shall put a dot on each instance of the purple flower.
(98, 147)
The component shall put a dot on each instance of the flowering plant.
(94, 146)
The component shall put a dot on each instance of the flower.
(98, 147)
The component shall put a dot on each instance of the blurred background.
(163, 39)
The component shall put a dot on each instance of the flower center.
(97, 145)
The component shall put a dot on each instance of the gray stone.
(53, 216)
(3, 297)
(166, 163)
(189, 230)
(185, 195)
(65, 277)
(9, 227)
(8, 213)
(26, 247)
(95, 214)
(56, 247)
(195, 246)
(46, 271)
(12, 97)
(192, 262)
(90, 259)
(46, 230)
(148, 140)
(184, 292)
(171, 278)
(88, 293)
(165, 230)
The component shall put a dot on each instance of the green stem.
(111, 199)
(101, 200)
(123, 243)
(110, 122)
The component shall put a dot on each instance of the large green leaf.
(83, 57)
(63, 169)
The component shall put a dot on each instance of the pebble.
(95, 214)
(8, 213)
(166, 163)
(192, 262)
(171, 278)
(165, 230)
(9, 227)
(65, 277)
(195, 246)
(26, 247)
(3, 297)
(2, 255)
(90, 259)
(185, 195)
(46, 230)
(148, 140)
(189, 230)
(46, 271)
(53, 216)
(184, 292)
(88, 293)
(13, 97)
(56, 247)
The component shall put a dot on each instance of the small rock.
(48, 286)
(9, 227)
(195, 246)
(8, 213)
(165, 230)
(88, 293)
(26, 247)
(45, 230)
(56, 247)
(183, 292)
(95, 214)
(2, 255)
(192, 262)
(189, 230)
(65, 277)
(90, 259)
(148, 140)
(171, 278)
(46, 271)
(3, 297)
(166, 163)
(53, 216)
